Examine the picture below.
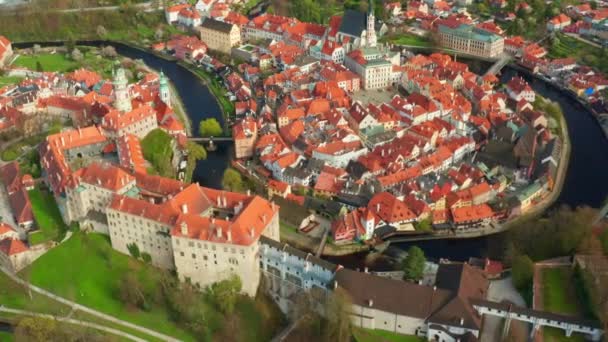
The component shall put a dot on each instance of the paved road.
(499, 290)
(90, 311)
(74, 321)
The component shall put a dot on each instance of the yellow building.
(220, 36)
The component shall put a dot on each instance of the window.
(193, 256)
(181, 253)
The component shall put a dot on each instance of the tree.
(146, 257)
(232, 180)
(109, 51)
(157, 149)
(604, 241)
(210, 128)
(558, 234)
(413, 264)
(337, 312)
(133, 250)
(131, 291)
(77, 55)
(185, 305)
(225, 293)
(159, 34)
(101, 31)
(39, 67)
(195, 150)
(38, 329)
(522, 271)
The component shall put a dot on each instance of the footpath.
(72, 321)
(75, 306)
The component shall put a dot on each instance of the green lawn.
(90, 274)
(8, 80)
(14, 296)
(50, 62)
(406, 39)
(559, 296)
(47, 215)
(377, 335)
(61, 62)
(6, 336)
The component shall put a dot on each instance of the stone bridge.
(499, 64)
(209, 139)
(509, 312)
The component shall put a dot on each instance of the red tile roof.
(390, 209)
(11, 246)
(473, 213)
(103, 175)
(116, 120)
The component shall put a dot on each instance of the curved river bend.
(586, 181)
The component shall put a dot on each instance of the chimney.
(378, 207)
(229, 236)
(335, 284)
(264, 218)
(184, 228)
(461, 321)
(252, 232)
(225, 201)
(248, 192)
(366, 269)
(185, 208)
(218, 230)
(370, 302)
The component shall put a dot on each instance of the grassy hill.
(87, 270)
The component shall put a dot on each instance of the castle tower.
(122, 100)
(371, 39)
(163, 90)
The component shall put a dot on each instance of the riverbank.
(309, 244)
(216, 89)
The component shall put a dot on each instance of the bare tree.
(109, 51)
(77, 55)
(101, 31)
(159, 34)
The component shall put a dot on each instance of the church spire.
(122, 99)
(370, 38)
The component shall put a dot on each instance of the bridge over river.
(210, 139)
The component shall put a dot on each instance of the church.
(357, 30)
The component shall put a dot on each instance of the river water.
(586, 181)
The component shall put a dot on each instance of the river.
(585, 183)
